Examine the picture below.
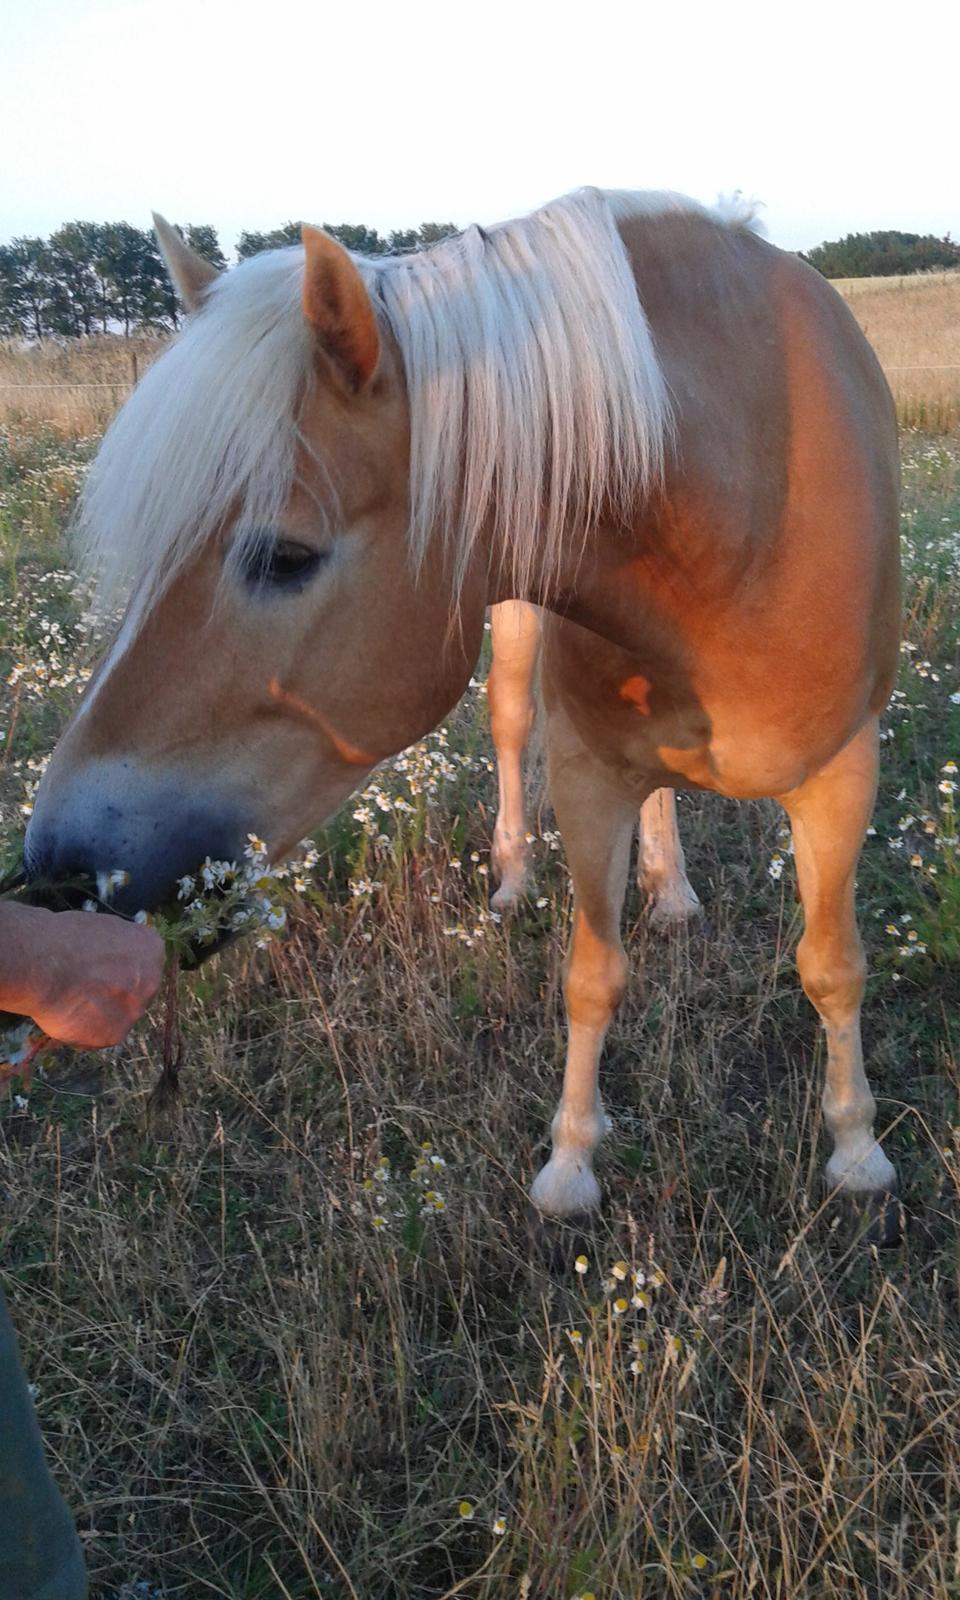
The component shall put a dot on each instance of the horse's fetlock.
(579, 1131)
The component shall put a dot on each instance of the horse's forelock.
(211, 428)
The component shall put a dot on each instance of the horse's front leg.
(515, 637)
(829, 816)
(661, 868)
(596, 822)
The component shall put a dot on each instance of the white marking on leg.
(857, 1164)
(566, 1185)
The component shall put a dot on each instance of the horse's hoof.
(506, 896)
(873, 1216)
(881, 1217)
(556, 1242)
(675, 912)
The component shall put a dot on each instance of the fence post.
(133, 368)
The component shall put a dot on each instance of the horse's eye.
(281, 563)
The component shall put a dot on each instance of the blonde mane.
(537, 401)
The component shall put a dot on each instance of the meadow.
(305, 1341)
(914, 326)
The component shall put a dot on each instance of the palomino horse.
(635, 413)
(661, 869)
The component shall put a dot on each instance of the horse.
(625, 408)
(662, 878)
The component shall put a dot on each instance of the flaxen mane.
(535, 392)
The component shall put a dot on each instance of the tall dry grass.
(74, 386)
(913, 324)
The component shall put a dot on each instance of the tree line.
(103, 277)
(100, 277)
(883, 254)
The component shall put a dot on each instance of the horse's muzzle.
(150, 834)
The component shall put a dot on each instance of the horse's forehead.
(368, 435)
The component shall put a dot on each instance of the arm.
(83, 979)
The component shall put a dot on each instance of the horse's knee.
(511, 719)
(594, 986)
(833, 977)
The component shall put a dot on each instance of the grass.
(280, 1350)
(913, 324)
(72, 385)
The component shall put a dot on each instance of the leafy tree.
(355, 236)
(884, 253)
(125, 253)
(202, 238)
(75, 252)
(32, 266)
(433, 232)
(404, 240)
(251, 243)
(96, 276)
(12, 307)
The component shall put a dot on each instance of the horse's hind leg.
(515, 633)
(597, 827)
(661, 869)
(829, 816)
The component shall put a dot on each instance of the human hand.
(84, 979)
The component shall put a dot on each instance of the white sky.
(839, 117)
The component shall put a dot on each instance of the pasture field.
(74, 386)
(913, 324)
(306, 1344)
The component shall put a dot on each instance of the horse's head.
(279, 640)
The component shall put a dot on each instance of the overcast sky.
(838, 117)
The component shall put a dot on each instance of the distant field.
(75, 385)
(920, 281)
(914, 326)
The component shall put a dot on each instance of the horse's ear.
(189, 273)
(337, 307)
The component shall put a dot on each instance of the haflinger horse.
(637, 414)
(671, 899)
